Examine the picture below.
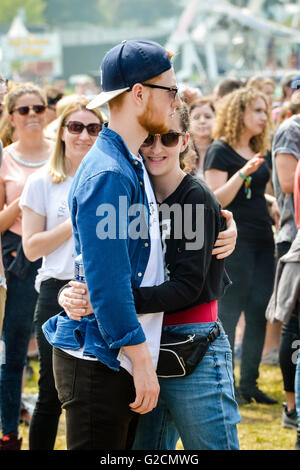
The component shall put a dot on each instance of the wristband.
(247, 183)
(3, 282)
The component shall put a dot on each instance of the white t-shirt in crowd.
(153, 276)
(51, 201)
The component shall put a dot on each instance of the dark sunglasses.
(76, 127)
(170, 139)
(24, 110)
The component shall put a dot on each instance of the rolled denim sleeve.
(97, 221)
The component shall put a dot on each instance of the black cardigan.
(195, 275)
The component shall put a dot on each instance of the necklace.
(25, 162)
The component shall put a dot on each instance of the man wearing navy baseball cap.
(105, 363)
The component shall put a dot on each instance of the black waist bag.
(181, 353)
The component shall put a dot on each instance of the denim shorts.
(199, 408)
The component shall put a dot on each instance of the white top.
(51, 201)
(153, 276)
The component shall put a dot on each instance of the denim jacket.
(113, 265)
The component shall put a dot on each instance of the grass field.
(260, 428)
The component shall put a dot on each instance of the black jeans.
(251, 269)
(44, 422)
(289, 334)
(96, 401)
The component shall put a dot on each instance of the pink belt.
(207, 312)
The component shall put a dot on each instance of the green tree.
(58, 12)
(111, 13)
(34, 10)
(138, 12)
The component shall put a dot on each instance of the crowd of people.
(222, 167)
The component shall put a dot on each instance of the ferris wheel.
(215, 31)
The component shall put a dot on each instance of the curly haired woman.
(238, 175)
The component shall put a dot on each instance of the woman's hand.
(226, 241)
(275, 212)
(252, 165)
(75, 301)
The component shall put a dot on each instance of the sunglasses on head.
(170, 139)
(76, 127)
(24, 110)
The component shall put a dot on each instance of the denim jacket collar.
(115, 139)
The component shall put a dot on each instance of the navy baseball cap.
(130, 62)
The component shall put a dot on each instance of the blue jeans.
(199, 408)
(17, 329)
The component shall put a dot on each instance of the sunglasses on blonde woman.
(24, 110)
(76, 127)
(170, 139)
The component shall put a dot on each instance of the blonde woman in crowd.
(47, 233)
(26, 107)
(238, 174)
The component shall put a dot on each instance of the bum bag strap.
(215, 332)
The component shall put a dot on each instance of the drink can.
(78, 269)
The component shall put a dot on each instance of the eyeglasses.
(173, 90)
(170, 139)
(76, 127)
(24, 110)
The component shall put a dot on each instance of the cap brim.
(104, 97)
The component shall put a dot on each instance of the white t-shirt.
(51, 200)
(153, 276)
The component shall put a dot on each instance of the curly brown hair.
(229, 123)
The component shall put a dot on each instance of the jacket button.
(136, 162)
(140, 274)
(141, 183)
(146, 245)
